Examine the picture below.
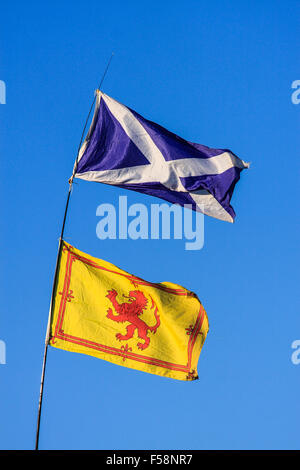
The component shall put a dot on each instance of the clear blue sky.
(215, 72)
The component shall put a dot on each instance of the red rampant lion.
(130, 312)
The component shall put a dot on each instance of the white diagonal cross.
(160, 170)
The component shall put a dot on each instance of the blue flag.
(126, 150)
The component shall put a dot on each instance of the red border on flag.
(65, 296)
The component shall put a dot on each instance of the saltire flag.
(103, 311)
(124, 149)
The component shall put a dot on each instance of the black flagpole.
(57, 264)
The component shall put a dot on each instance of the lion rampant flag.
(105, 312)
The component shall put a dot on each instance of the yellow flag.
(105, 312)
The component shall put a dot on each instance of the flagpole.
(57, 264)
